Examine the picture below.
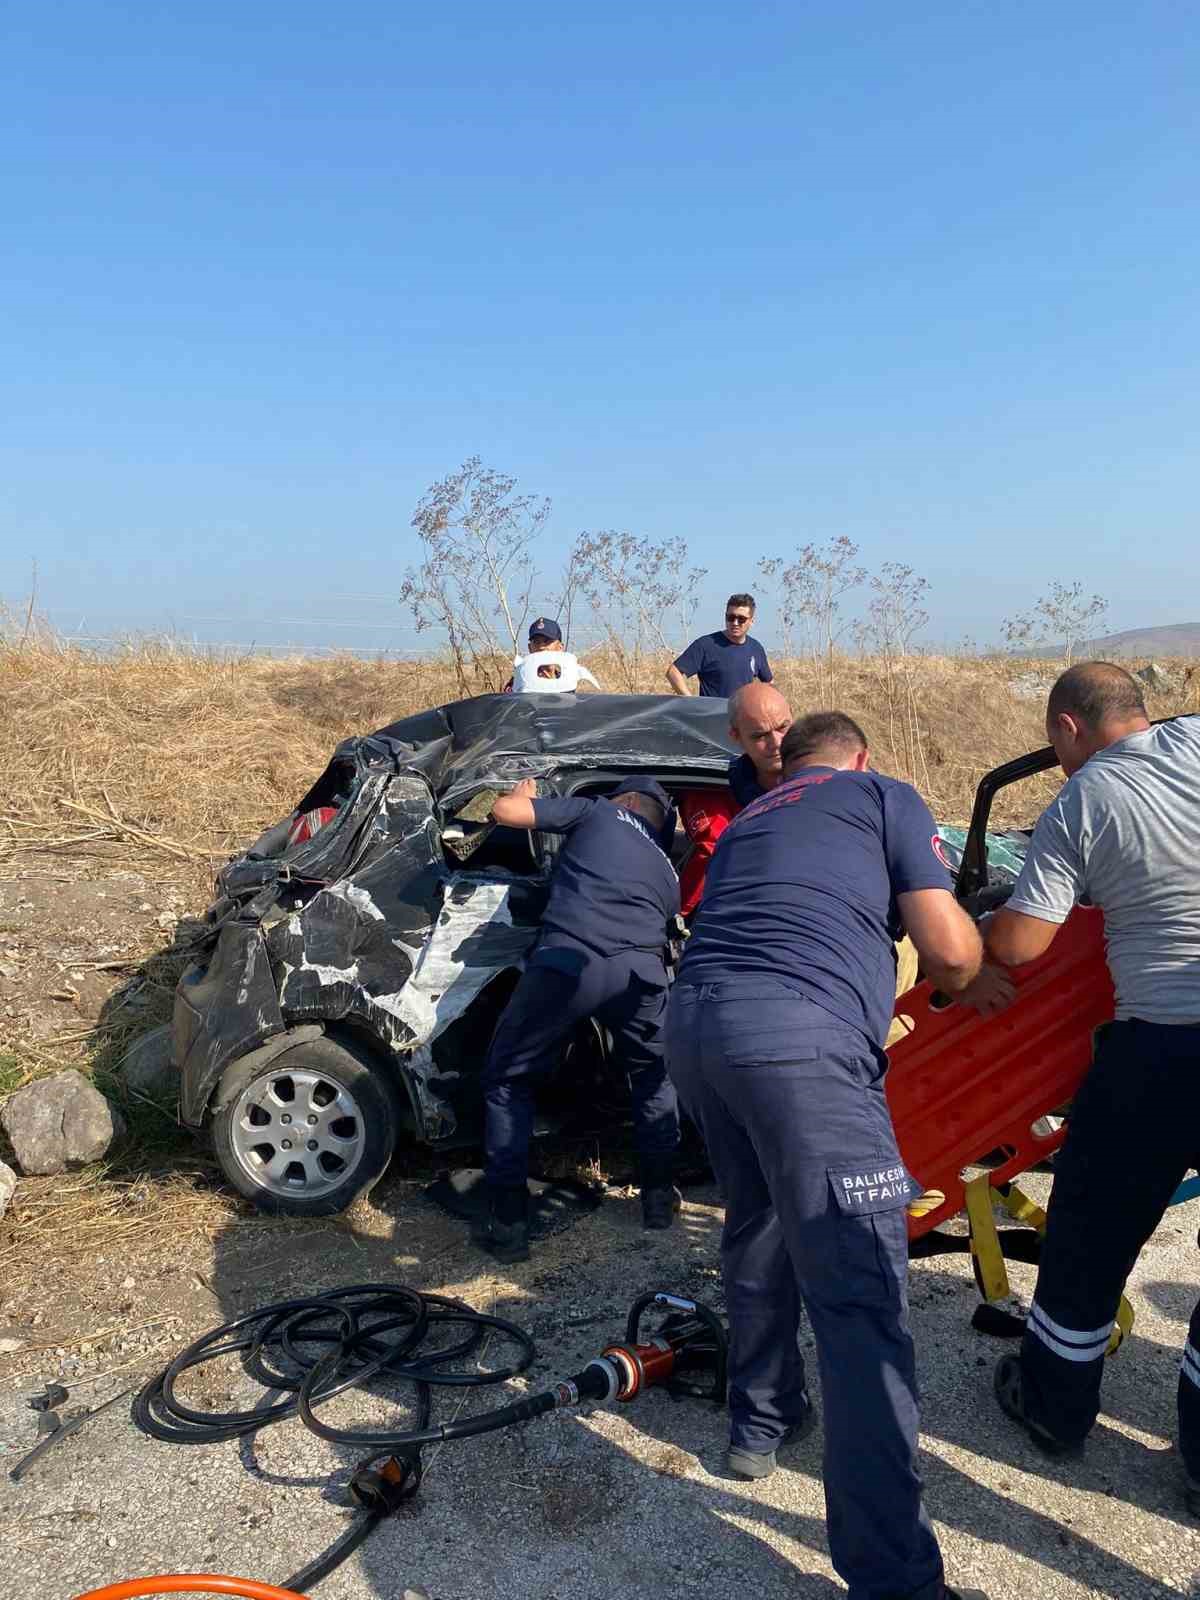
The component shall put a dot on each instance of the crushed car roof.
(494, 738)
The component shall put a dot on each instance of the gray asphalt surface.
(601, 1503)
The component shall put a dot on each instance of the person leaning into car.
(600, 953)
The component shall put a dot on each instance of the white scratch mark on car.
(445, 980)
(329, 974)
(358, 897)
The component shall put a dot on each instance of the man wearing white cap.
(560, 676)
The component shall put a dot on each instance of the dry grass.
(169, 755)
(165, 761)
(179, 758)
(94, 1212)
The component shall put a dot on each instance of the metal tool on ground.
(313, 1349)
(691, 1340)
(62, 1431)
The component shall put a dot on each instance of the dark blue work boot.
(963, 1594)
(1012, 1403)
(661, 1200)
(762, 1463)
(506, 1234)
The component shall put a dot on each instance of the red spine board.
(961, 1086)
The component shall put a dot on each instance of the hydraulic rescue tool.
(313, 1349)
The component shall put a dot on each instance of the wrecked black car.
(358, 955)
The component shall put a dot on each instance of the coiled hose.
(315, 1348)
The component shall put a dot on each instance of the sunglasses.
(735, 616)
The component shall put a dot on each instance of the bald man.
(1124, 835)
(759, 717)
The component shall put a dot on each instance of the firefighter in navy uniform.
(1124, 835)
(601, 953)
(774, 1039)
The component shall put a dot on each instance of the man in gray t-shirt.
(1123, 835)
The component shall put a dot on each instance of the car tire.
(308, 1132)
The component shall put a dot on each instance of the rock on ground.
(1030, 685)
(59, 1122)
(1157, 679)
(147, 1067)
(8, 1185)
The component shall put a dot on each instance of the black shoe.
(762, 1463)
(660, 1207)
(1012, 1403)
(1191, 1495)
(506, 1234)
(661, 1200)
(963, 1594)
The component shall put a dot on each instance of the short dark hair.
(1096, 692)
(746, 600)
(821, 730)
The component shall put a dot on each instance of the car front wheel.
(308, 1132)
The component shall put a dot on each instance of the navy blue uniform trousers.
(791, 1104)
(1135, 1123)
(562, 986)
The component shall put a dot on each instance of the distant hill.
(1176, 639)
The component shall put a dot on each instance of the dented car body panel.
(381, 923)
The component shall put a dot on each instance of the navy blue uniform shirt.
(613, 886)
(743, 781)
(723, 666)
(803, 887)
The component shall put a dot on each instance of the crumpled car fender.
(265, 1054)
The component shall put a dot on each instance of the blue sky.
(756, 274)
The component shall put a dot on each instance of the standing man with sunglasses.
(724, 662)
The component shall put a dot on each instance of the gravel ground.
(604, 1503)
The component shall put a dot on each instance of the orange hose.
(190, 1583)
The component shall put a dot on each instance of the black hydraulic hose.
(321, 1345)
(359, 1531)
(320, 1384)
(317, 1347)
(314, 1348)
